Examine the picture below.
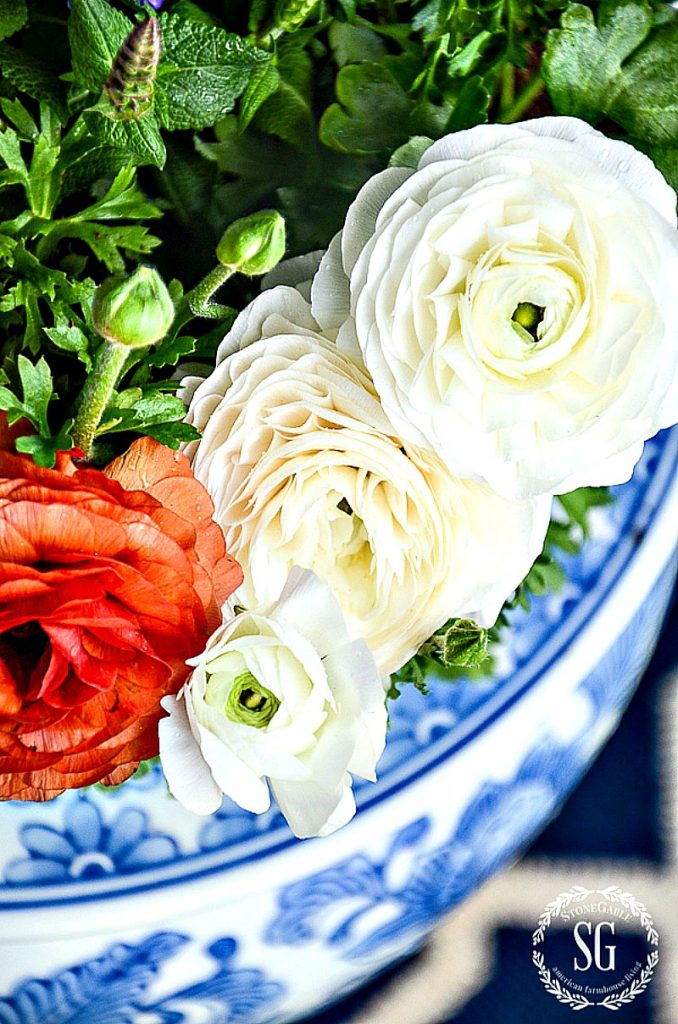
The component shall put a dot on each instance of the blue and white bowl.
(122, 907)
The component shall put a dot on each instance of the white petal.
(330, 294)
(233, 777)
(308, 605)
(633, 168)
(353, 676)
(188, 775)
(363, 212)
(311, 810)
(297, 272)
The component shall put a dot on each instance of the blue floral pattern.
(113, 989)
(87, 847)
(503, 817)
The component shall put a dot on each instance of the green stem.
(508, 89)
(523, 101)
(97, 392)
(199, 300)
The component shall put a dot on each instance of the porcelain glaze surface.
(136, 911)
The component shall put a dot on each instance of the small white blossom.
(283, 697)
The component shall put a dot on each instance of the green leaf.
(168, 353)
(145, 413)
(13, 16)
(263, 83)
(664, 157)
(44, 449)
(372, 114)
(413, 672)
(10, 154)
(16, 112)
(172, 434)
(202, 72)
(287, 112)
(70, 338)
(411, 152)
(353, 43)
(471, 106)
(646, 101)
(96, 31)
(30, 76)
(582, 65)
(123, 200)
(140, 140)
(7, 247)
(37, 387)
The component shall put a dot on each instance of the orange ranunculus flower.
(109, 581)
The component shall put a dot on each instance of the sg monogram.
(599, 967)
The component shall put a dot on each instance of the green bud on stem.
(134, 311)
(253, 245)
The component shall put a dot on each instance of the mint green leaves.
(13, 16)
(203, 70)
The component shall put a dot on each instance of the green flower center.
(528, 316)
(249, 702)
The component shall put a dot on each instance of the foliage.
(616, 64)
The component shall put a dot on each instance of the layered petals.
(109, 581)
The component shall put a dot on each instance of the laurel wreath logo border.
(577, 894)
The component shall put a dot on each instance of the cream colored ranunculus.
(281, 697)
(514, 300)
(304, 469)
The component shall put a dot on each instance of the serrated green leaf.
(140, 140)
(29, 75)
(582, 64)
(96, 31)
(372, 113)
(37, 387)
(202, 72)
(13, 16)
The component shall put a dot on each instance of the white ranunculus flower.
(304, 469)
(515, 301)
(280, 694)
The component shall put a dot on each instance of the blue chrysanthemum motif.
(88, 847)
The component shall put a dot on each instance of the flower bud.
(136, 311)
(460, 642)
(253, 245)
